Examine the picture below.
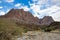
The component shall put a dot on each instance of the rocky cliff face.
(26, 17)
(47, 20)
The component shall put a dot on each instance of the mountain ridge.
(26, 17)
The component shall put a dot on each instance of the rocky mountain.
(47, 20)
(26, 17)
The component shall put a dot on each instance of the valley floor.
(33, 35)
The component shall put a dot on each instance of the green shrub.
(48, 28)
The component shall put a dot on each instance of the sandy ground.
(39, 36)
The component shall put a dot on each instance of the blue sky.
(39, 8)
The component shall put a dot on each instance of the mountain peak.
(47, 20)
(26, 17)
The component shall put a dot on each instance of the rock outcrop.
(47, 20)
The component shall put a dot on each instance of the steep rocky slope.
(26, 17)
(47, 20)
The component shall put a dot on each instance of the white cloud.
(20, 6)
(36, 7)
(9, 1)
(56, 16)
(55, 2)
(2, 12)
(51, 10)
(17, 5)
(25, 8)
(1, 7)
(40, 2)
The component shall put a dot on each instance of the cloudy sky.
(39, 8)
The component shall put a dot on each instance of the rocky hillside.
(47, 20)
(26, 17)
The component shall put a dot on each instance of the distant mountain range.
(21, 16)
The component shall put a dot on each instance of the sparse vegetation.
(9, 28)
(48, 28)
